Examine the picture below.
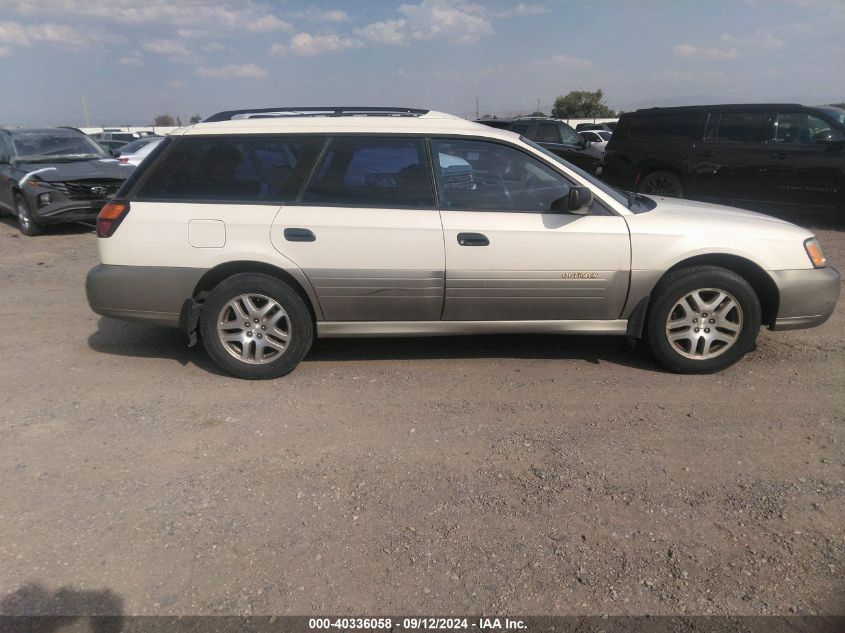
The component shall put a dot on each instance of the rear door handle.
(473, 239)
(299, 235)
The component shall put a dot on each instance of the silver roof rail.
(263, 113)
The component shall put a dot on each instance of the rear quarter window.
(228, 168)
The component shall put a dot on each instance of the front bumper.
(150, 294)
(64, 210)
(807, 297)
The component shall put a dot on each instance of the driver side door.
(508, 258)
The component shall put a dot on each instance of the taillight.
(110, 217)
(122, 160)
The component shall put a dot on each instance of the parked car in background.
(111, 146)
(555, 136)
(770, 157)
(598, 138)
(55, 175)
(582, 127)
(259, 230)
(136, 151)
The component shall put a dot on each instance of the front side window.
(485, 176)
(228, 168)
(800, 128)
(372, 171)
(740, 127)
(569, 136)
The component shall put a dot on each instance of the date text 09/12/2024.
(417, 623)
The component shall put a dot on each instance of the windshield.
(617, 195)
(55, 145)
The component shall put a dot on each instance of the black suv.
(55, 175)
(761, 156)
(556, 136)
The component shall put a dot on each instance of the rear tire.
(26, 224)
(662, 183)
(702, 320)
(256, 327)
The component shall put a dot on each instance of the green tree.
(838, 105)
(196, 118)
(164, 120)
(537, 114)
(581, 104)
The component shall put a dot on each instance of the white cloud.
(463, 23)
(200, 16)
(176, 83)
(131, 60)
(63, 36)
(5, 51)
(232, 71)
(279, 50)
(388, 32)
(173, 49)
(761, 40)
(322, 15)
(524, 9)
(700, 52)
(307, 45)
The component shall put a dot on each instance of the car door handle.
(299, 235)
(473, 239)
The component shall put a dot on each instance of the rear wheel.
(662, 183)
(256, 327)
(702, 319)
(27, 225)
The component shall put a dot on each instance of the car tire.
(702, 320)
(661, 183)
(256, 327)
(26, 224)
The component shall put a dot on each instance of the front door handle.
(299, 235)
(473, 239)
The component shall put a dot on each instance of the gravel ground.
(533, 475)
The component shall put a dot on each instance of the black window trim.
(141, 175)
(768, 131)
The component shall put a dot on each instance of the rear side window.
(372, 171)
(547, 133)
(230, 168)
(668, 127)
(738, 127)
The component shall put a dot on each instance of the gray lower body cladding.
(807, 297)
(152, 294)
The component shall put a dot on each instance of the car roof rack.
(264, 113)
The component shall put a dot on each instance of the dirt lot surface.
(532, 475)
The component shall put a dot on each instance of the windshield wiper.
(58, 158)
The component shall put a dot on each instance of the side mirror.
(578, 201)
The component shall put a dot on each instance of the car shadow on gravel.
(125, 338)
(139, 340)
(593, 349)
(32, 607)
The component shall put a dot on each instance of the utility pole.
(85, 110)
(476, 108)
(538, 104)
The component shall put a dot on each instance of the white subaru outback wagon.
(257, 230)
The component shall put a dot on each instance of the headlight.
(814, 252)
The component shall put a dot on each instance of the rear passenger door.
(366, 231)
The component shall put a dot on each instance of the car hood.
(690, 211)
(77, 170)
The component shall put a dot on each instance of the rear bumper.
(150, 294)
(807, 297)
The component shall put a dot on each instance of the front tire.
(256, 327)
(26, 224)
(662, 183)
(702, 320)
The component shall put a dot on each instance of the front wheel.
(662, 183)
(256, 327)
(702, 320)
(26, 224)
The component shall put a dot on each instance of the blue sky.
(135, 59)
